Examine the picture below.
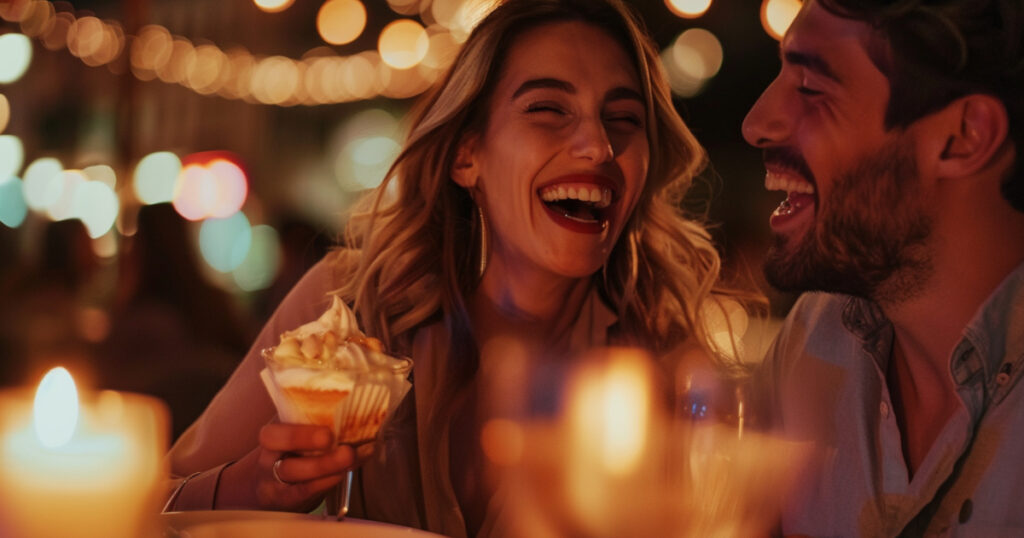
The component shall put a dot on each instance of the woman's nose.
(768, 121)
(590, 141)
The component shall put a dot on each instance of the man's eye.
(808, 91)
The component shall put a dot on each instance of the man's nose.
(768, 121)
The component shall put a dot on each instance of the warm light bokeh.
(688, 9)
(55, 410)
(692, 60)
(5, 112)
(777, 15)
(273, 6)
(341, 21)
(403, 43)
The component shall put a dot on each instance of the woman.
(536, 198)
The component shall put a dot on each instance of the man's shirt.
(826, 383)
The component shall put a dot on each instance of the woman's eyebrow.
(615, 94)
(544, 83)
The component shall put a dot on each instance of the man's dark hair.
(935, 51)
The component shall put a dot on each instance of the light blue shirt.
(826, 382)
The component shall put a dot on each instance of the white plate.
(264, 524)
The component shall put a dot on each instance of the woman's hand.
(309, 466)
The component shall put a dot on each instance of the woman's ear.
(978, 127)
(465, 171)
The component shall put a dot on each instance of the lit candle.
(612, 454)
(89, 470)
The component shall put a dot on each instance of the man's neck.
(967, 268)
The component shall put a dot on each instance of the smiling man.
(895, 130)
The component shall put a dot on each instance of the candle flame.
(55, 413)
(611, 413)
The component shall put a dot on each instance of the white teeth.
(775, 182)
(600, 197)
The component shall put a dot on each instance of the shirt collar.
(995, 333)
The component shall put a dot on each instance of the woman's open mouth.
(580, 207)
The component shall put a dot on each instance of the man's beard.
(869, 236)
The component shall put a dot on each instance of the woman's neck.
(528, 305)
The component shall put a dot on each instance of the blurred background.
(169, 168)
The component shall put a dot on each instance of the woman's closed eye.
(545, 107)
(627, 119)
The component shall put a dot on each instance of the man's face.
(855, 216)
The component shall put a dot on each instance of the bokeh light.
(461, 16)
(273, 6)
(688, 9)
(259, 268)
(275, 80)
(403, 43)
(96, 205)
(777, 15)
(405, 7)
(692, 59)
(698, 53)
(443, 48)
(150, 51)
(155, 176)
(210, 185)
(341, 21)
(358, 76)
(16, 51)
(63, 191)
(225, 242)
(37, 19)
(12, 202)
(12, 155)
(5, 112)
(56, 37)
(367, 146)
(102, 173)
(43, 183)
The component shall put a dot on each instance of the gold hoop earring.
(483, 240)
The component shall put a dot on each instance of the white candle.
(95, 476)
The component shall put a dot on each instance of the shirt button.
(884, 408)
(965, 511)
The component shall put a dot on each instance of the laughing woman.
(536, 197)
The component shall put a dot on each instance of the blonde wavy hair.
(412, 249)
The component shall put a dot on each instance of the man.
(895, 129)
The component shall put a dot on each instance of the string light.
(320, 77)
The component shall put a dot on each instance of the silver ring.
(274, 470)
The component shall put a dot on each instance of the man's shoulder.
(816, 311)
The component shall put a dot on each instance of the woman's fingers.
(293, 470)
(295, 438)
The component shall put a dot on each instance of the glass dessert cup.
(353, 401)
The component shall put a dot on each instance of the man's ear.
(465, 171)
(976, 129)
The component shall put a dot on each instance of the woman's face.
(563, 158)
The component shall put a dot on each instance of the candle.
(86, 469)
(612, 450)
